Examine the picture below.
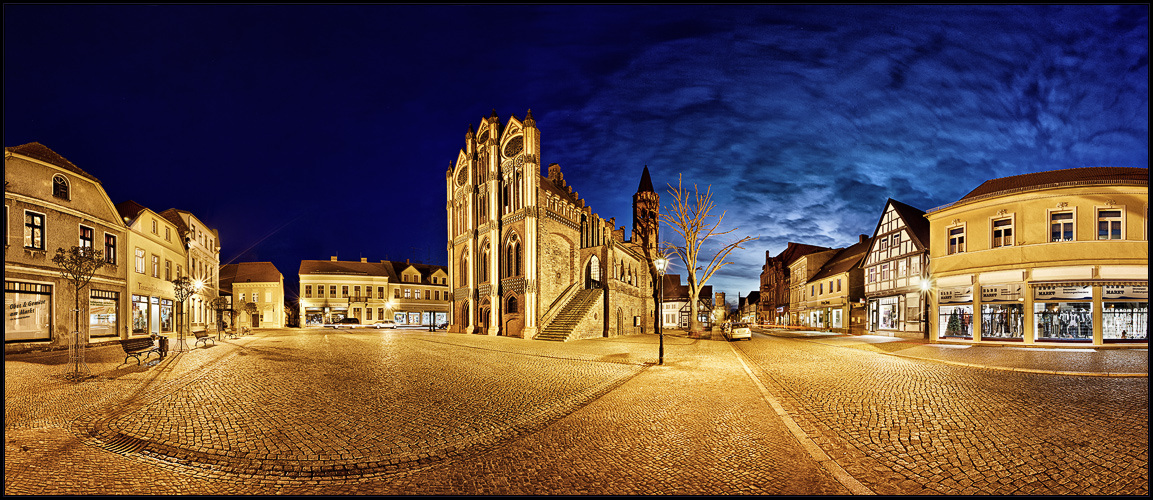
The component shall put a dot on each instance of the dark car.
(348, 322)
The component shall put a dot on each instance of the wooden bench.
(133, 348)
(203, 338)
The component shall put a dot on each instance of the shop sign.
(1051, 293)
(1003, 293)
(27, 316)
(1125, 292)
(958, 295)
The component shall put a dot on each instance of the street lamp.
(662, 264)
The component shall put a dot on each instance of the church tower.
(646, 211)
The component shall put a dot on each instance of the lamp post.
(661, 263)
(925, 285)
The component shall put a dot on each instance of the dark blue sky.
(304, 131)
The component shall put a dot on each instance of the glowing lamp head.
(662, 264)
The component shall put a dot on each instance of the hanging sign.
(958, 295)
(1003, 293)
(1125, 292)
(1051, 293)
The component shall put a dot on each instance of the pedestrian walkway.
(1086, 361)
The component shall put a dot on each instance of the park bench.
(203, 338)
(133, 348)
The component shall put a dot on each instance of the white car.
(736, 331)
(387, 323)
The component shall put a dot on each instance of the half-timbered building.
(894, 268)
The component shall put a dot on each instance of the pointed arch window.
(513, 257)
(484, 256)
(512, 306)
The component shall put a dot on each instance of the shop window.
(60, 188)
(165, 315)
(1109, 224)
(33, 230)
(1061, 226)
(956, 240)
(1063, 320)
(139, 314)
(1125, 321)
(1003, 321)
(1002, 233)
(87, 235)
(955, 321)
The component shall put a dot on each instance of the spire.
(493, 113)
(646, 183)
(528, 120)
(470, 132)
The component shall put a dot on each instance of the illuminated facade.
(257, 283)
(202, 249)
(1054, 258)
(776, 285)
(156, 256)
(404, 292)
(897, 261)
(833, 294)
(50, 203)
(801, 270)
(527, 257)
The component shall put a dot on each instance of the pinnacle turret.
(646, 185)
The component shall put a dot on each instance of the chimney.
(333, 258)
(406, 261)
(864, 238)
(364, 259)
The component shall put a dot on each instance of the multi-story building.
(260, 284)
(202, 248)
(801, 270)
(897, 262)
(776, 285)
(51, 204)
(748, 308)
(405, 292)
(675, 308)
(836, 289)
(1051, 258)
(527, 257)
(156, 256)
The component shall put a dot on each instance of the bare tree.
(219, 304)
(78, 265)
(690, 217)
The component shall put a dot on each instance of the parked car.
(385, 323)
(348, 323)
(736, 331)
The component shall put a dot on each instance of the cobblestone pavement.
(370, 412)
(913, 426)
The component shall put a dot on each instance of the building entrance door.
(256, 320)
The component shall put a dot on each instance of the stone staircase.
(562, 326)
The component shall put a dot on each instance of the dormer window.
(60, 187)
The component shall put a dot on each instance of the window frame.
(91, 237)
(1049, 213)
(30, 231)
(139, 255)
(1121, 218)
(67, 183)
(993, 228)
(951, 249)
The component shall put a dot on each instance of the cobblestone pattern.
(904, 426)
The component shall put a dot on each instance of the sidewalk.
(1086, 361)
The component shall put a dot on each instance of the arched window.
(512, 257)
(511, 309)
(60, 187)
(463, 277)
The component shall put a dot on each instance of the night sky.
(305, 131)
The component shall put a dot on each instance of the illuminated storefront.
(1056, 259)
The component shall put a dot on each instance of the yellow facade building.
(156, 256)
(403, 292)
(1058, 258)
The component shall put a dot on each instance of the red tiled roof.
(244, 272)
(1039, 179)
(44, 154)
